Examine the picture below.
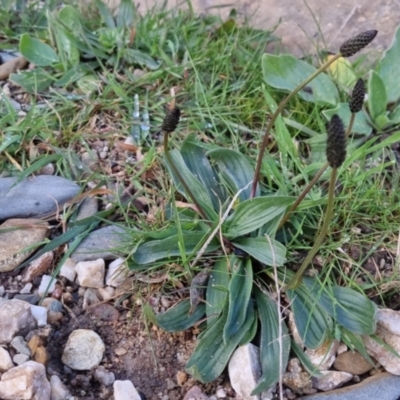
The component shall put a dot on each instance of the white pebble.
(46, 279)
(68, 269)
(39, 314)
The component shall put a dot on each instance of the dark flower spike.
(171, 120)
(357, 97)
(356, 43)
(336, 143)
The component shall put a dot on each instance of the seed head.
(357, 97)
(336, 143)
(171, 120)
(356, 43)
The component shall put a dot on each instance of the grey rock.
(27, 381)
(90, 298)
(88, 208)
(35, 196)
(381, 386)
(68, 269)
(105, 377)
(58, 389)
(331, 380)
(52, 304)
(40, 315)
(27, 232)
(84, 350)
(105, 243)
(195, 393)
(29, 298)
(15, 318)
(19, 344)
(19, 359)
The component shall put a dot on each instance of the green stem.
(180, 178)
(314, 180)
(295, 282)
(275, 115)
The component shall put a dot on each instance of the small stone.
(12, 65)
(90, 298)
(27, 288)
(102, 243)
(29, 298)
(90, 273)
(20, 346)
(57, 293)
(352, 362)
(89, 207)
(124, 390)
(117, 272)
(84, 350)
(181, 378)
(105, 377)
(106, 293)
(41, 355)
(296, 379)
(221, 394)
(342, 349)
(47, 285)
(40, 315)
(245, 370)
(331, 380)
(388, 329)
(58, 389)
(13, 241)
(48, 169)
(52, 304)
(37, 267)
(90, 159)
(27, 381)
(34, 343)
(5, 360)
(106, 312)
(195, 393)
(170, 384)
(68, 269)
(120, 351)
(54, 316)
(15, 318)
(19, 359)
(324, 356)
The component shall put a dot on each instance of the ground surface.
(306, 24)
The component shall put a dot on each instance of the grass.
(214, 67)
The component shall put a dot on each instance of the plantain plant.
(233, 221)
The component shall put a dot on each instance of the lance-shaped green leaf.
(377, 98)
(311, 320)
(154, 250)
(196, 160)
(236, 170)
(267, 251)
(217, 290)
(212, 354)
(352, 310)
(239, 296)
(197, 188)
(253, 213)
(178, 318)
(287, 72)
(275, 342)
(388, 69)
(36, 51)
